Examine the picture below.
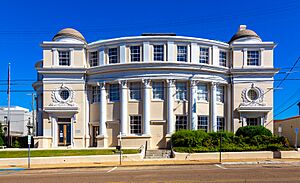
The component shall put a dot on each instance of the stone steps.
(158, 154)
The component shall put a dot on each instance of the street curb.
(255, 163)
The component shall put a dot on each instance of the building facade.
(144, 88)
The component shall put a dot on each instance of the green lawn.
(49, 153)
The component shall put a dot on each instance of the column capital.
(146, 82)
(214, 84)
(101, 84)
(194, 82)
(123, 83)
(171, 82)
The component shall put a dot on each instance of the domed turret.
(69, 33)
(244, 33)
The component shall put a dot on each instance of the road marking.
(112, 169)
(220, 166)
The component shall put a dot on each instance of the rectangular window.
(135, 91)
(113, 55)
(93, 58)
(136, 125)
(220, 123)
(222, 58)
(158, 52)
(64, 58)
(95, 94)
(203, 123)
(135, 53)
(158, 90)
(181, 123)
(253, 58)
(203, 56)
(202, 93)
(114, 92)
(181, 91)
(252, 121)
(182, 53)
(220, 94)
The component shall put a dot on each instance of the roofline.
(283, 120)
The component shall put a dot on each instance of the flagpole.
(8, 106)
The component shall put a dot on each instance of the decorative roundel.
(253, 94)
(64, 94)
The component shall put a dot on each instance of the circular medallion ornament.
(63, 96)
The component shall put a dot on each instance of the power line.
(289, 72)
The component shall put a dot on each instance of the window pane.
(203, 123)
(158, 90)
(202, 92)
(252, 121)
(158, 51)
(64, 58)
(135, 53)
(220, 94)
(113, 55)
(182, 53)
(222, 58)
(203, 56)
(93, 57)
(114, 92)
(181, 91)
(253, 58)
(135, 91)
(95, 94)
(136, 125)
(220, 123)
(181, 123)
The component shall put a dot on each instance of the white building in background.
(19, 120)
(147, 87)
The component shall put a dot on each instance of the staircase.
(158, 154)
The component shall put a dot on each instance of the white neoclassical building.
(147, 87)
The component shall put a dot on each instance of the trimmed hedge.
(257, 139)
(251, 131)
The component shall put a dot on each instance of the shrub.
(188, 138)
(16, 144)
(1, 141)
(251, 131)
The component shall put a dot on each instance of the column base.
(135, 141)
(102, 141)
(168, 141)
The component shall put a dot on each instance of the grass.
(49, 153)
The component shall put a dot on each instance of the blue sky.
(25, 24)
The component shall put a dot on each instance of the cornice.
(252, 71)
(61, 70)
(51, 44)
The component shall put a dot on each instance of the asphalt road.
(182, 173)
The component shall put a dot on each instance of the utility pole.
(33, 114)
(8, 107)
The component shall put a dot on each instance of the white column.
(193, 104)
(171, 93)
(262, 121)
(123, 53)
(214, 107)
(228, 121)
(87, 119)
(54, 57)
(146, 106)
(54, 132)
(244, 57)
(123, 107)
(101, 56)
(262, 56)
(146, 51)
(216, 55)
(195, 50)
(171, 52)
(103, 103)
(72, 56)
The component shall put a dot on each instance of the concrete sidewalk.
(152, 162)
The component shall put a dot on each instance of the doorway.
(64, 131)
(95, 134)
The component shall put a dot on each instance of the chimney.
(299, 107)
(242, 27)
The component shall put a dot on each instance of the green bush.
(251, 131)
(188, 138)
(16, 144)
(1, 141)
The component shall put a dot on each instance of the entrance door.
(64, 134)
(95, 134)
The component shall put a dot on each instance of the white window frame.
(158, 92)
(220, 123)
(181, 91)
(159, 54)
(135, 56)
(95, 94)
(181, 121)
(202, 126)
(68, 59)
(203, 56)
(137, 130)
(114, 93)
(94, 59)
(250, 60)
(251, 121)
(202, 95)
(135, 91)
(221, 59)
(220, 93)
(182, 55)
(113, 58)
